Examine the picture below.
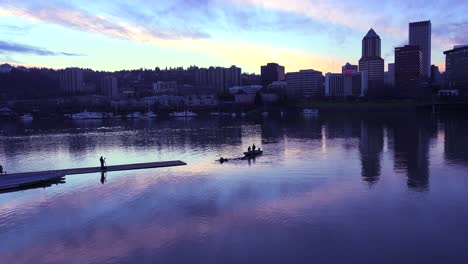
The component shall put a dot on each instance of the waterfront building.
(71, 81)
(347, 84)
(456, 69)
(278, 87)
(420, 35)
(246, 89)
(217, 79)
(165, 87)
(372, 63)
(408, 71)
(272, 72)
(304, 84)
(109, 86)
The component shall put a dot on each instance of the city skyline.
(320, 35)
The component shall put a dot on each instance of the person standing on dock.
(253, 147)
(102, 160)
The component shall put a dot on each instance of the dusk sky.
(300, 34)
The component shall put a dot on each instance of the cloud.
(11, 47)
(15, 30)
(60, 13)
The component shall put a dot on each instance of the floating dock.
(25, 179)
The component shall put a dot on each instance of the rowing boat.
(254, 153)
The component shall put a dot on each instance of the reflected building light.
(324, 140)
(385, 140)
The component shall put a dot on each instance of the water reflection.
(411, 136)
(317, 187)
(370, 148)
(456, 139)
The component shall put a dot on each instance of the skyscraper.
(272, 72)
(408, 70)
(372, 63)
(420, 35)
(456, 68)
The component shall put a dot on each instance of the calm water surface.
(333, 189)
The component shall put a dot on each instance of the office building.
(232, 77)
(304, 84)
(109, 86)
(346, 84)
(372, 63)
(436, 76)
(408, 70)
(272, 72)
(349, 68)
(71, 81)
(162, 87)
(217, 80)
(456, 69)
(389, 76)
(420, 35)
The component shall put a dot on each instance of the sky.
(299, 34)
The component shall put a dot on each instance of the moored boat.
(87, 115)
(26, 117)
(183, 114)
(310, 111)
(148, 115)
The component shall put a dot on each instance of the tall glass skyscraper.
(372, 63)
(420, 35)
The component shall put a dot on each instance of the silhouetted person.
(253, 147)
(249, 149)
(1, 170)
(103, 177)
(102, 160)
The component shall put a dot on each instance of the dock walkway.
(24, 179)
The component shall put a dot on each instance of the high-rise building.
(347, 68)
(71, 81)
(232, 77)
(217, 79)
(456, 68)
(389, 77)
(420, 35)
(272, 72)
(346, 84)
(109, 86)
(408, 70)
(372, 63)
(436, 76)
(304, 84)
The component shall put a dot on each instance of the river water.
(338, 188)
